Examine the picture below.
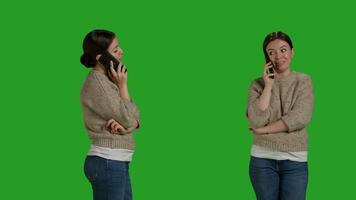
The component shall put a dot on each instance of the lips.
(279, 63)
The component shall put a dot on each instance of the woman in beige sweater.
(110, 118)
(280, 106)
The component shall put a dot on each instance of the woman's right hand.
(119, 77)
(267, 77)
(116, 128)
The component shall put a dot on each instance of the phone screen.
(270, 70)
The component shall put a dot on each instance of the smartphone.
(105, 59)
(270, 70)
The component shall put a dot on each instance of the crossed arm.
(116, 128)
(297, 118)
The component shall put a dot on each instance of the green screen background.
(190, 65)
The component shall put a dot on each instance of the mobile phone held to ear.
(105, 59)
(271, 71)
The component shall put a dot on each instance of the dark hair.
(95, 42)
(274, 36)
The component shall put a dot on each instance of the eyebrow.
(279, 47)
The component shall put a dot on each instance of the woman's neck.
(284, 73)
(99, 68)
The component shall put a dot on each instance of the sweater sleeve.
(257, 117)
(300, 114)
(134, 111)
(106, 102)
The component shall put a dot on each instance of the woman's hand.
(116, 128)
(257, 131)
(267, 77)
(119, 77)
(275, 127)
(265, 97)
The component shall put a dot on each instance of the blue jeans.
(109, 178)
(278, 179)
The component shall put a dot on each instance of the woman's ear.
(292, 52)
(97, 57)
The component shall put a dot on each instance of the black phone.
(105, 59)
(270, 70)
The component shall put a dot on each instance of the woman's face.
(280, 53)
(115, 50)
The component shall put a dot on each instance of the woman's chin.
(282, 69)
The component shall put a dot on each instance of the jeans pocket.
(92, 168)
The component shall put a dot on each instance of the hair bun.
(87, 61)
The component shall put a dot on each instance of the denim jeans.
(109, 178)
(278, 179)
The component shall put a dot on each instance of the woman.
(280, 106)
(110, 118)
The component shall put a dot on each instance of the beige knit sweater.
(101, 102)
(291, 101)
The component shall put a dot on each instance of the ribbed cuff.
(291, 123)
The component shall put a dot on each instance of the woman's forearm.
(265, 97)
(124, 92)
(275, 127)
